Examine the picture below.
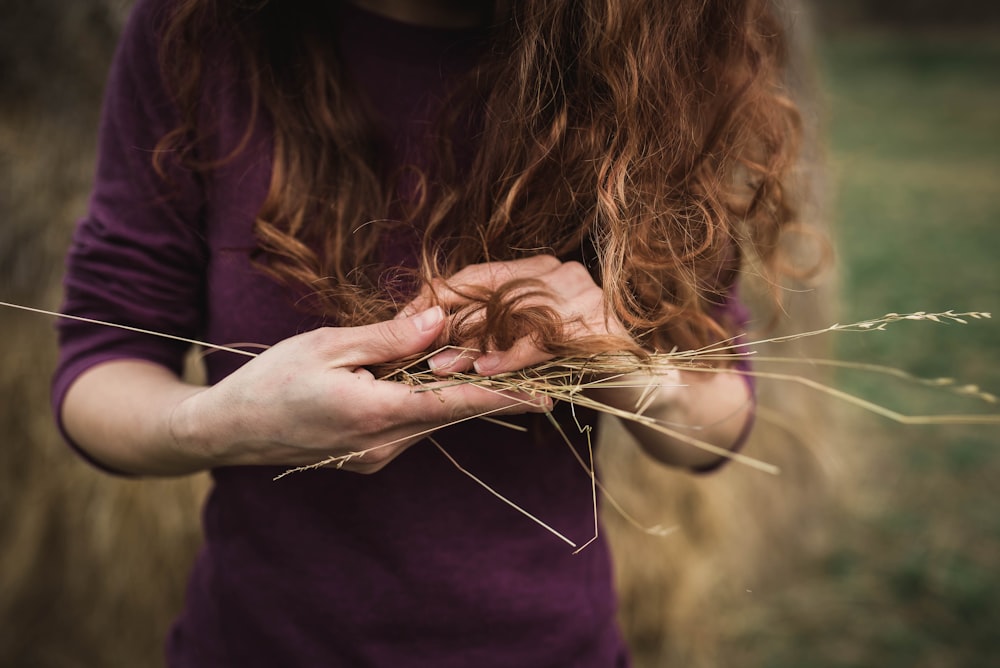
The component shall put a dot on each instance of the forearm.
(123, 414)
(713, 407)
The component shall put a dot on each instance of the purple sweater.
(413, 566)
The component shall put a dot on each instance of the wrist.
(639, 390)
(189, 432)
(711, 407)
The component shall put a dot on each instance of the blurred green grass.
(911, 576)
(915, 144)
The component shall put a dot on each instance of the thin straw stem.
(131, 329)
(503, 498)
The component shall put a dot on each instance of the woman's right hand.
(311, 397)
(304, 400)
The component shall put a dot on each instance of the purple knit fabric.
(414, 566)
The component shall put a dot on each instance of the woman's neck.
(432, 13)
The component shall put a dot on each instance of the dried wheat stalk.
(568, 379)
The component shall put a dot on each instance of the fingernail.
(429, 319)
(486, 365)
(444, 359)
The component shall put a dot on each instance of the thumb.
(390, 340)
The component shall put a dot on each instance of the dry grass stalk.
(492, 491)
(568, 379)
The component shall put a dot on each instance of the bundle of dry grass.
(568, 379)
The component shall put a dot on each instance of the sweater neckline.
(394, 38)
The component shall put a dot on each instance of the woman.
(342, 182)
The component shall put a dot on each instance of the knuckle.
(460, 277)
(493, 274)
(576, 279)
(536, 265)
(549, 262)
(322, 338)
(575, 269)
(434, 288)
(392, 335)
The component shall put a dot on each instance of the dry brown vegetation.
(91, 567)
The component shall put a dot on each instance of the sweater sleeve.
(138, 256)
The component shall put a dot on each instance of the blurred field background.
(880, 547)
(909, 573)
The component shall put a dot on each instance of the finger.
(421, 302)
(394, 408)
(453, 360)
(432, 409)
(442, 408)
(522, 354)
(484, 277)
(465, 401)
(491, 275)
(385, 341)
(423, 411)
(450, 295)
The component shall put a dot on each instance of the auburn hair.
(650, 140)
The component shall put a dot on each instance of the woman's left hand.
(717, 405)
(568, 289)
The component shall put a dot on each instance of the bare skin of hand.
(570, 292)
(712, 407)
(303, 400)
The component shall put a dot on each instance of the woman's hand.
(711, 407)
(566, 288)
(304, 400)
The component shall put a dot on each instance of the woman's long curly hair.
(652, 140)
